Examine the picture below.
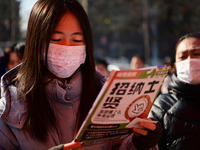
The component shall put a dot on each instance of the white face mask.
(189, 71)
(63, 60)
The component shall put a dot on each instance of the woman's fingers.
(145, 126)
(140, 131)
(73, 146)
(148, 125)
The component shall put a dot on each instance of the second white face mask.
(189, 71)
(63, 60)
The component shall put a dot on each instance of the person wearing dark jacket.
(179, 110)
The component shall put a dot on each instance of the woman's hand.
(145, 127)
(69, 146)
(73, 146)
(147, 136)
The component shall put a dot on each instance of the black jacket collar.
(183, 89)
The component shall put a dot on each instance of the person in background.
(3, 64)
(137, 62)
(46, 98)
(168, 62)
(179, 109)
(14, 55)
(101, 66)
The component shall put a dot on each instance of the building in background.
(149, 28)
(9, 22)
(121, 29)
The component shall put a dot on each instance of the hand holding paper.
(141, 126)
(68, 146)
(147, 136)
(73, 146)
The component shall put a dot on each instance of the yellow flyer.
(126, 96)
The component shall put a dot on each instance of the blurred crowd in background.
(124, 29)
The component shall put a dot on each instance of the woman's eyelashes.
(78, 41)
(56, 40)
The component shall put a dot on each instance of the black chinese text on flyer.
(126, 96)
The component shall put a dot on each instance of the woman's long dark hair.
(44, 17)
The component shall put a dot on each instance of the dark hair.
(20, 46)
(44, 17)
(101, 61)
(140, 57)
(188, 35)
(16, 47)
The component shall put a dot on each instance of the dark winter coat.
(179, 113)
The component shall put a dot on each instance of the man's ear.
(175, 66)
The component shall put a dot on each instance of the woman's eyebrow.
(58, 32)
(77, 33)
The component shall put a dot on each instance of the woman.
(14, 55)
(178, 110)
(35, 87)
(45, 100)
